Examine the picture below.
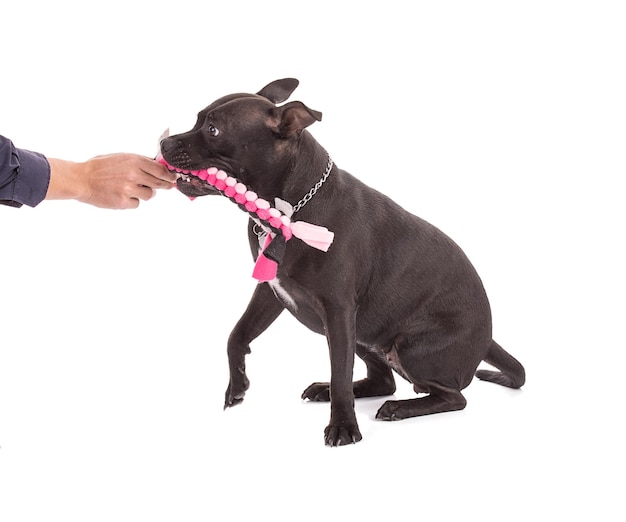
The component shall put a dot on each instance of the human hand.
(116, 181)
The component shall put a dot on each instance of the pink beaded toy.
(281, 228)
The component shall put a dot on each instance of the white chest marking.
(282, 295)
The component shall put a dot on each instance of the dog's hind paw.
(390, 411)
(317, 392)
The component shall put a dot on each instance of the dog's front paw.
(318, 392)
(235, 393)
(342, 434)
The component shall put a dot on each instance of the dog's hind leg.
(434, 366)
(511, 372)
(378, 382)
(262, 311)
(440, 399)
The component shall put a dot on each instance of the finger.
(159, 172)
(144, 193)
(132, 203)
(148, 180)
(144, 179)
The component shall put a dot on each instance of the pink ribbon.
(265, 269)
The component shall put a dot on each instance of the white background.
(503, 123)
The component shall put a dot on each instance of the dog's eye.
(213, 130)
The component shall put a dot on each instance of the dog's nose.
(168, 145)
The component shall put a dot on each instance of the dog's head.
(246, 135)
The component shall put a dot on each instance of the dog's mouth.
(194, 179)
(204, 182)
(194, 183)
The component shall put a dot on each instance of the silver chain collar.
(260, 231)
(309, 195)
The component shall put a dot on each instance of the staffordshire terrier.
(392, 288)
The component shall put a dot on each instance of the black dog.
(392, 288)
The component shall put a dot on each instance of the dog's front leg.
(262, 311)
(341, 334)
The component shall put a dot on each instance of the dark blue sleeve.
(24, 175)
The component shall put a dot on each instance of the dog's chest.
(283, 296)
(298, 302)
(279, 290)
(292, 296)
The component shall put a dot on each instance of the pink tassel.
(265, 269)
(313, 235)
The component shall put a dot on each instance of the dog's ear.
(279, 90)
(294, 117)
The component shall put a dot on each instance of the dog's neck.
(305, 178)
(311, 193)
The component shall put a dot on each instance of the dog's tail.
(511, 372)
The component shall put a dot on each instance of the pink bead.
(274, 212)
(212, 170)
(275, 222)
(286, 232)
(261, 203)
(230, 181)
(220, 184)
(240, 188)
(240, 198)
(211, 179)
(251, 196)
(262, 213)
(250, 206)
(285, 220)
(221, 175)
(229, 191)
(203, 174)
